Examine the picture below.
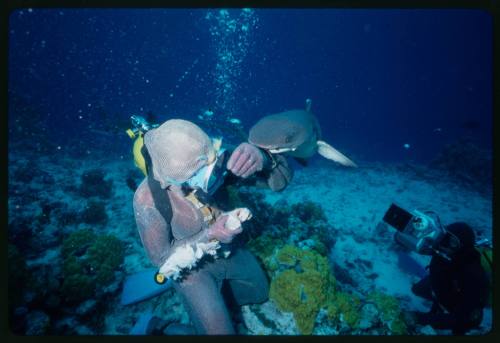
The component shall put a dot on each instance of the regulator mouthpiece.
(140, 123)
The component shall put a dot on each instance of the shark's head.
(280, 132)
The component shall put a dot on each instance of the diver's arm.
(269, 169)
(156, 234)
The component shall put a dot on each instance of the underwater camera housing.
(417, 231)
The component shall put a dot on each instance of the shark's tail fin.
(329, 152)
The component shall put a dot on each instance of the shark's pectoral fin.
(329, 152)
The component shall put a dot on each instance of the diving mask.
(211, 176)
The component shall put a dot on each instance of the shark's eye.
(288, 138)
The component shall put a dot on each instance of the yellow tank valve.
(130, 133)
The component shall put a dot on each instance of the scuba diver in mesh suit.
(181, 158)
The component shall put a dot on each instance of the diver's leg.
(205, 305)
(248, 282)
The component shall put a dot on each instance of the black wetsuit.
(460, 287)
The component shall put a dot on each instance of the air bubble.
(232, 42)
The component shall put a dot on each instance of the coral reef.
(291, 242)
(93, 184)
(302, 283)
(67, 217)
(94, 213)
(308, 211)
(302, 286)
(344, 307)
(90, 261)
(272, 227)
(68, 294)
(390, 312)
(292, 249)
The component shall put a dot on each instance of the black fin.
(302, 161)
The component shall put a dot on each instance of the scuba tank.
(139, 127)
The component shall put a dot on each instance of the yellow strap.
(205, 209)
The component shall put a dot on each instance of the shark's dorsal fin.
(308, 105)
(329, 152)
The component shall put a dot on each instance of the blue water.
(378, 79)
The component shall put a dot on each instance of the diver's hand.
(246, 160)
(220, 232)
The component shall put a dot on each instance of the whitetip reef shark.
(295, 133)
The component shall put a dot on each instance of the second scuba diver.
(458, 283)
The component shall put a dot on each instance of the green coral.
(104, 256)
(77, 242)
(390, 312)
(90, 260)
(289, 255)
(398, 326)
(303, 286)
(346, 306)
(263, 247)
(301, 280)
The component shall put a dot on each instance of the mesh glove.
(220, 232)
